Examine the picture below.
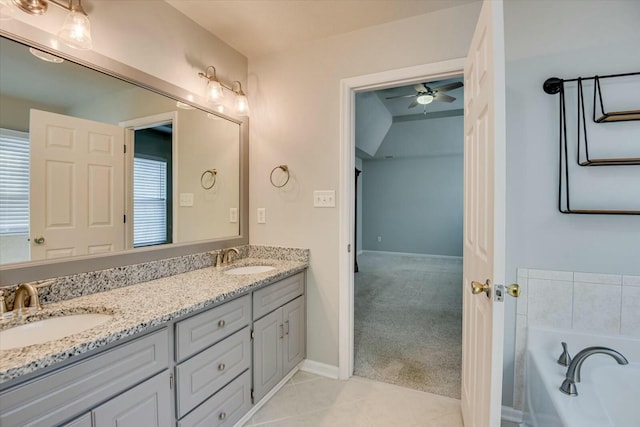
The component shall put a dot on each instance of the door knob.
(38, 240)
(514, 290)
(477, 287)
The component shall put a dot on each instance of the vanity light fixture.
(76, 29)
(215, 92)
(214, 87)
(241, 104)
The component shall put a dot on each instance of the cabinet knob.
(222, 416)
(221, 367)
(221, 323)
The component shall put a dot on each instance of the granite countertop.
(135, 309)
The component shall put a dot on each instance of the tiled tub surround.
(138, 308)
(599, 304)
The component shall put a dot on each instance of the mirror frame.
(36, 270)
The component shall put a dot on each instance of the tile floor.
(309, 400)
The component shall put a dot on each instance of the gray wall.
(414, 204)
(578, 39)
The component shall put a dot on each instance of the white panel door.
(77, 184)
(484, 222)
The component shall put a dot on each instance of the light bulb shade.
(241, 105)
(76, 31)
(214, 91)
(424, 99)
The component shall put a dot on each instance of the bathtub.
(607, 394)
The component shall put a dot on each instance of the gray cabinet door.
(267, 353)
(73, 390)
(294, 334)
(148, 404)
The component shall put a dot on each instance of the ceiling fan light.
(76, 30)
(424, 99)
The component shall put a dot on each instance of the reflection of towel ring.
(285, 169)
(213, 173)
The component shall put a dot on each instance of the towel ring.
(285, 169)
(204, 176)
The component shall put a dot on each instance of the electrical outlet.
(186, 199)
(262, 216)
(379, 239)
(233, 214)
(324, 199)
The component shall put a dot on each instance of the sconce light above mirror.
(215, 92)
(76, 29)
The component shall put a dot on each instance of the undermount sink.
(249, 269)
(53, 328)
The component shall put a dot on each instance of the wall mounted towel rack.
(555, 85)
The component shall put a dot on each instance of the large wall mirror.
(93, 165)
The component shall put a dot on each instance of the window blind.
(14, 182)
(149, 202)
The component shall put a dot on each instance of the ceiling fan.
(426, 95)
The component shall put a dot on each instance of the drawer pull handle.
(222, 416)
(221, 323)
(281, 331)
(286, 329)
(221, 367)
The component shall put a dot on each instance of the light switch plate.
(324, 199)
(262, 216)
(233, 215)
(186, 199)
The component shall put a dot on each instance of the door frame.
(130, 127)
(348, 89)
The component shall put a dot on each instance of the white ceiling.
(259, 27)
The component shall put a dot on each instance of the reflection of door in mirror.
(77, 176)
(152, 186)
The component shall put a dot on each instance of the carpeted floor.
(408, 321)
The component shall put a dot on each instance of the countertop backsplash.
(77, 285)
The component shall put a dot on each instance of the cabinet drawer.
(273, 296)
(209, 371)
(83, 421)
(224, 408)
(75, 389)
(207, 328)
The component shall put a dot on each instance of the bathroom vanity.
(196, 349)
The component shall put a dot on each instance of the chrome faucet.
(573, 371)
(224, 256)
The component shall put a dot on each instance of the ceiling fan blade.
(450, 86)
(401, 96)
(443, 97)
(413, 104)
(420, 87)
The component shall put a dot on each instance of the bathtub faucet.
(573, 371)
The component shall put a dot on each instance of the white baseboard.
(512, 414)
(245, 419)
(318, 368)
(411, 254)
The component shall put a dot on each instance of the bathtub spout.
(573, 371)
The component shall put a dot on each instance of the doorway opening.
(349, 89)
(408, 212)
